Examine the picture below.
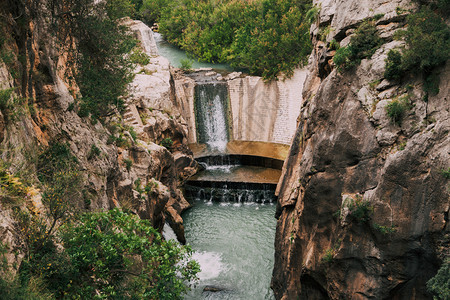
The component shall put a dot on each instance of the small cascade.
(211, 106)
(232, 192)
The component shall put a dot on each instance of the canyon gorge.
(347, 199)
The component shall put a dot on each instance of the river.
(233, 236)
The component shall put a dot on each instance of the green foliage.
(186, 65)
(269, 37)
(428, 38)
(394, 69)
(377, 17)
(428, 43)
(94, 152)
(167, 143)
(446, 173)
(359, 210)
(363, 44)
(343, 58)
(115, 255)
(329, 255)
(105, 255)
(128, 164)
(98, 61)
(56, 157)
(439, 285)
(396, 110)
(119, 135)
(385, 229)
(12, 190)
(10, 105)
(117, 9)
(151, 184)
(58, 172)
(5, 99)
(334, 45)
(151, 10)
(139, 57)
(16, 290)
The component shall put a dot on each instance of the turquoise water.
(234, 244)
(175, 55)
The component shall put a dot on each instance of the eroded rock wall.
(43, 113)
(347, 148)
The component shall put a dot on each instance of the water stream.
(231, 226)
(234, 244)
(175, 55)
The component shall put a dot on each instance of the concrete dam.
(240, 129)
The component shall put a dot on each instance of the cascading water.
(211, 103)
(232, 224)
(231, 227)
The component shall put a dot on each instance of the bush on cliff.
(98, 63)
(439, 285)
(363, 44)
(396, 110)
(428, 47)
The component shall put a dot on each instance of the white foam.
(224, 168)
(210, 264)
(168, 233)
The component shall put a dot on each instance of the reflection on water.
(175, 55)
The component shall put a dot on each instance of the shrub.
(186, 65)
(329, 255)
(12, 190)
(428, 39)
(5, 99)
(268, 37)
(139, 57)
(394, 69)
(363, 44)
(385, 229)
(105, 255)
(57, 169)
(128, 164)
(428, 43)
(151, 184)
(446, 173)
(94, 152)
(97, 61)
(396, 110)
(359, 209)
(343, 58)
(439, 285)
(116, 255)
(167, 143)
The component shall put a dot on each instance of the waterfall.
(232, 193)
(211, 103)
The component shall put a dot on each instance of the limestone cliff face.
(43, 113)
(347, 150)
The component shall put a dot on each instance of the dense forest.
(267, 37)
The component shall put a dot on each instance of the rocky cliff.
(363, 201)
(37, 110)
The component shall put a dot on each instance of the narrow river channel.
(232, 231)
(234, 244)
